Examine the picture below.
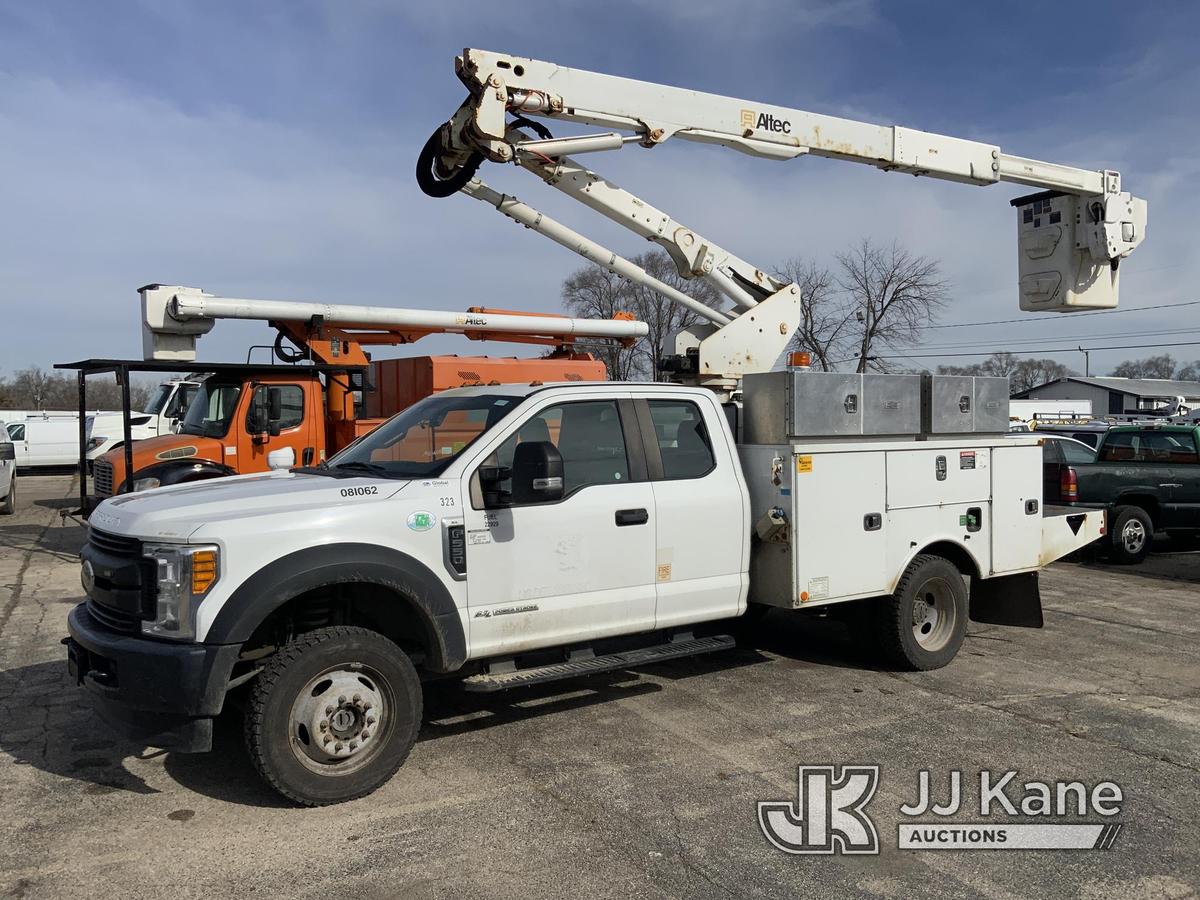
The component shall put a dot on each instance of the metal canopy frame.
(122, 368)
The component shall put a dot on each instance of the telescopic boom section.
(174, 316)
(1072, 235)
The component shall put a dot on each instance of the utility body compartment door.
(1016, 508)
(841, 525)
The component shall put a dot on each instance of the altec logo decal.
(765, 122)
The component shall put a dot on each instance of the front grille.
(115, 544)
(102, 478)
(114, 619)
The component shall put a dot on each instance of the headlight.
(145, 484)
(95, 442)
(185, 574)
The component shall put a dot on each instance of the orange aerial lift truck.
(249, 418)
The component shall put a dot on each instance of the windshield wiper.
(369, 468)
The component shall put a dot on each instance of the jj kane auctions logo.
(829, 814)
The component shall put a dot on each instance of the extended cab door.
(546, 573)
(701, 535)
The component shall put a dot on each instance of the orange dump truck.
(242, 413)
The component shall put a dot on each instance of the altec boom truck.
(241, 418)
(563, 529)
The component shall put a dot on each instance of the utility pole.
(1087, 362)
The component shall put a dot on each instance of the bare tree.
(1190, 372)
(663, 316)
(1022, 374)
(596, 293)
(35, 388)
(1151, 367)
(824, 317)
(892, 296)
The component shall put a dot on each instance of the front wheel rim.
(1133, 536)
(934, 615)
(341, 719)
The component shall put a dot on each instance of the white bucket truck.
(512, 534)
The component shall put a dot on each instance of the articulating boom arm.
(1072, 234)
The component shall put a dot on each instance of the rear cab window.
(683, 440)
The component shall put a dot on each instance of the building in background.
(1116, 396)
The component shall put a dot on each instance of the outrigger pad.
(1007, 600)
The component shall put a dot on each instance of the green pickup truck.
(1148, 478)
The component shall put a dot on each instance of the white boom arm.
(174, 316)
(1071, 236)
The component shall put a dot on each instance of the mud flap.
(1007, 600)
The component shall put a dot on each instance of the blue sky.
(267, 149)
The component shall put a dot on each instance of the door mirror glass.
(537, 473)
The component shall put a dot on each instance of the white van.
(8, 474)
(45, 441)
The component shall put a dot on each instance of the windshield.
(424, 439)
(212, 409)
(155, 406)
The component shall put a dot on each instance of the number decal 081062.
(360, 491)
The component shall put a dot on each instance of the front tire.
(923, 624)
(9, 505)
(333, 715)
(1131, 534)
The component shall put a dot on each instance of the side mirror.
(7, 451)
(537, 473)
(283, 458)
(490, 479)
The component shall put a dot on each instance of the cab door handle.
(632, 517)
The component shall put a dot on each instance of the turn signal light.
(204, 570)
(1069, 484)
(801, 359)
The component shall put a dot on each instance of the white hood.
(177, 511)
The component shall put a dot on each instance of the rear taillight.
(1069, 484)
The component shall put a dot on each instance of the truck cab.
(231, 424)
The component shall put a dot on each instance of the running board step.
(539, 674)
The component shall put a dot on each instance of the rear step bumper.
(500, 681)
(1067, 528)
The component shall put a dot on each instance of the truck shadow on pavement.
(46, 721)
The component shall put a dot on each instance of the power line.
(1050, 340)
(1027, 352)
(1078, 315)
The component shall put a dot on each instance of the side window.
(683, 441)
(16, 432)
(587, 434)
(1119, 447)
(1077, 455)
(291, 405)
(1171, 448)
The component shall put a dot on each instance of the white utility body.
(513, 534)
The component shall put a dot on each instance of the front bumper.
(165, 695)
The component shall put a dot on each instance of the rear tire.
(1131, 534)
(333, 715)
(923, 624)
(9, 504)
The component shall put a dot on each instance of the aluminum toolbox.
(780, 406)
(964, 404)
(891, 404)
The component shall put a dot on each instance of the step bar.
(674, 649)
